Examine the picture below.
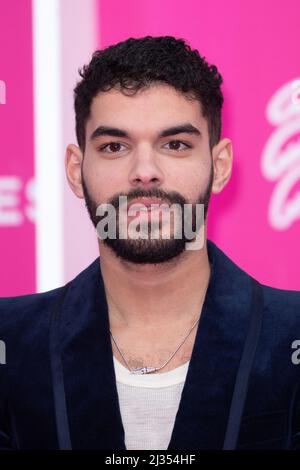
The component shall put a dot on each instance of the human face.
(151, 144)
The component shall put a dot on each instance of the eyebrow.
(115, 132)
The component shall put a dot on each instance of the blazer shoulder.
(34, 309)
(276, 295)
(282, 303)
(16, 310)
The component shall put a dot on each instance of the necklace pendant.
(143, 370)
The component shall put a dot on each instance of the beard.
(149, 251)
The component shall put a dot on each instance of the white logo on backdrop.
(17, 201)
(281, 155)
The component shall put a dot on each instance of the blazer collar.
(88, 371)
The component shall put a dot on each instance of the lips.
(141, 203)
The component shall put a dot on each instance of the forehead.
(149, 109)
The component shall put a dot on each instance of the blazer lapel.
(203, 411)
(87, 362)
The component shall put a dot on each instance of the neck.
(144, 297)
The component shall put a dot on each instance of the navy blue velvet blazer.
(58, 389)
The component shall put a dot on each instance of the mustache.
(172, 197)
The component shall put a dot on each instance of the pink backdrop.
(255, 44)
(17, 234)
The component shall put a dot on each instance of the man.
(158, 344)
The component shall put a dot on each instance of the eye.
(114, 146)
(176, 145)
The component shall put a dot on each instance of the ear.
(73, 163)
(222, 161)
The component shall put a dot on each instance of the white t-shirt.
(148, 405)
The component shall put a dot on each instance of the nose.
(145, 172)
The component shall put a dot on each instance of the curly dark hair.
(137, 63)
